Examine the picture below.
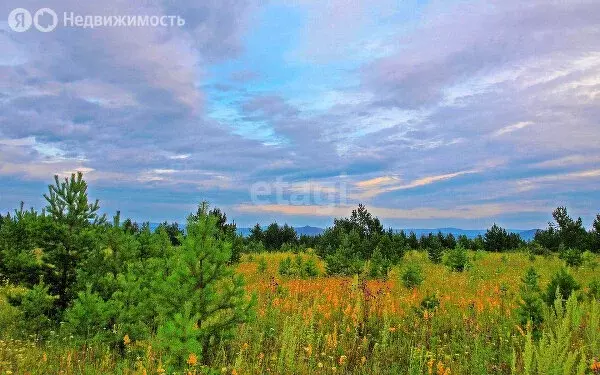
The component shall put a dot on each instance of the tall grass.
(335, 325)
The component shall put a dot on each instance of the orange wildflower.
(192, 359)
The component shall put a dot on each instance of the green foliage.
(498, 239)
(21, 239)
(262, 264)
(412, 276)
(531, 306)
(535, 248)
(561, 285)
(589, 260)
(310, 268)
(435, 251)
(90, 317)
(68, 202)
(457, 259)
(346, 260)
(594, 289)
(213, 295)
(298, 267)
(365, 229)
(37, 307)
(595, 235)
(571, 232)
(285, 266)
(181, 336)
(173, 230)
(572, 257)
(430, 302)
(275, 236)
(378, 265)
(253, 247)
(70, 237)
(555, 352)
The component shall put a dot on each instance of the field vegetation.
(82, 294)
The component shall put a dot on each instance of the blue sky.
(433, 114)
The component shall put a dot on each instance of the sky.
(431, 113)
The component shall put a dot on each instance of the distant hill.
(306, 230)
(527, 235)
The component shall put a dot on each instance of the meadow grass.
(339, 325)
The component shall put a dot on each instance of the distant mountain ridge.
(526, 234)
(305, 230)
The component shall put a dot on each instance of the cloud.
(399, 100)
(535, 182)
(373, 182)
(567, 161)
(373, 189)
(512, 128)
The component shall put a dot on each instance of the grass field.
(334, 325)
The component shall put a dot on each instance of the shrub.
(412, 276)
(535, 248)
(457, 259)
(531, 306)
(378, 265)
(346, 261)
(310, 268)
(90, 316)
(285, 266)
(590, 260)
(435, 251)
(202, 301)
(594, 289)
(430, 302)
(262, 264)
(573, 257)
(37, 307)
(562, 285)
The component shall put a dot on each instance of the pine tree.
(435, 251)
(531, 305)
(69, 240)
(213, 295)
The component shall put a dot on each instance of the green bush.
(412, 276)
(90, 317)
(310, 268)
(535, 248)
(37, 307)
(457, 259)
(202, 300)
(572, 257)
(378, 265)
(262, 264)
(435, 251)
(285, 266)
(346, 261)
(430, 302)
(531, 305)
(562, 283)
(594, 289)
(590, 260)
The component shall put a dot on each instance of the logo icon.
(19, 20)
(45, 20)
